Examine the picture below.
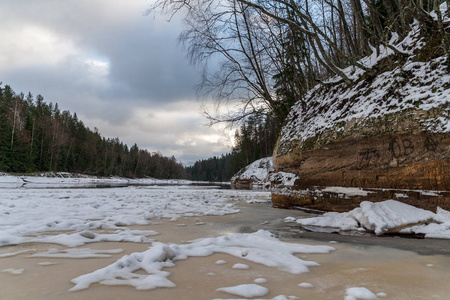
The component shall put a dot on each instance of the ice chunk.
(245, 290)
(306, 285)
(240, 266)
(355, 293)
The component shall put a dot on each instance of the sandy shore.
(398, 273)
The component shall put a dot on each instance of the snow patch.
(245, 290)
(306, 285)
(240, 267)
(355, 293)
(384, 217)
(262, 248)
(76, 253)
(13, 271)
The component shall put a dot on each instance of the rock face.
(388, 165)
(388, 134)
(394, 160)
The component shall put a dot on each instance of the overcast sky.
(119, 70)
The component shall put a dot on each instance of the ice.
(221, 262)
(387, 216)
(13, 271)
(76, 253)
(30, 215)
(240, 266)
(355, 293)
(348, 191)
(279, 297)
(342, 221)
(245, 290)
(262, 248)
(46, 263)
(306, 285)
(16, 253)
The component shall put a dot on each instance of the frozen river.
(184, 242)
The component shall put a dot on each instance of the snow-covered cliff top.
(389, 86)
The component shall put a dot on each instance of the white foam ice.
(262, 247)
(28, 215)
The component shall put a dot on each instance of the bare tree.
(254, 42)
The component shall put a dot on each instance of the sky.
(120, 70)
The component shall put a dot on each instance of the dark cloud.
(120, 70)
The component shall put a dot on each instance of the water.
(401, 268)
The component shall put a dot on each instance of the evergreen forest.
(36, 136)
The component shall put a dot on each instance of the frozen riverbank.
(65, 234)
(70, 180)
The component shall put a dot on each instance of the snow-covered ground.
(72, 218)
(26, 215)
(76, 217)
(389, 216)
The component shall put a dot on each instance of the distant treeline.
(255, 139)
(36, 136)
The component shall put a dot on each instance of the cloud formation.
(119, 70)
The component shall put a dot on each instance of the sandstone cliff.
(388, 133)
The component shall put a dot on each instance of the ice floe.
(31, 215)
(262, 247)
(385, 217)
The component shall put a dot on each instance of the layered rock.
(388, 133)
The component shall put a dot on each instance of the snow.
(16, 253)
(283, 179)
(70, 180)
(245, 290)
(240, 267)
(46, 263)
(76, 253)
(348, 191)
(221, 262)
(306, 285)
(385, 217)
(13, 271)
(77, 216)
(256, 172)
(30, 214)
(279, 297)
(260, 280)
(262, 247)
(355, 293)
(420, 86)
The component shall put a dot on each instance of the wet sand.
(389, 268)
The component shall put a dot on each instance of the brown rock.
(387, 164)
